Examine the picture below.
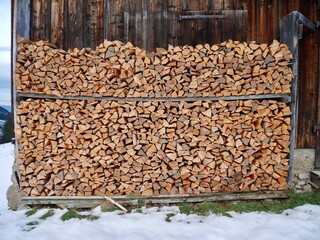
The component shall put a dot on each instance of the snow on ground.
(294, 224)
(6, 161)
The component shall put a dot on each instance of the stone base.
(13, 197)
(301, 182)
(304, 162)
(13, 193)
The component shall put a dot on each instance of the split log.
(85, 148)
(123, 70)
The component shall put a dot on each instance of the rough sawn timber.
(91, 202)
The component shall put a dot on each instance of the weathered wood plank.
(94, 23)
(151, 22)
(144, 13)
(271, 19)
(76, 24)
(252, 20)
(22, 18)
(41, 29)
(229, 4)
(228, 29)
(164, 25)
(133, 20)
(308, 80)
(201, 26)
(174, 10)
(241, 24)
(284, 97)
(217, 4)
(263, 22)
(110, 15)
(317, 153)
(238, 4)
(57, 23)
(290, 36)
(90, 202)
(21, 15)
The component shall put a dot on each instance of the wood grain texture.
(115, 20)
(41, 18)
(76, 22)
(75, 202)
(318, 108)
(23, 18)
(94, 32)
(57, 23)
(308, 80)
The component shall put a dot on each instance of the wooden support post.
(291, 27)
(20, 28)
(317, 155)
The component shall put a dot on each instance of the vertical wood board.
(22, 19)
(57, 23)
(94, 30)
(41, 18)
(76, 15)
(308, 80)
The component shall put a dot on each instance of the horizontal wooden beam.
(306, 22)
(193, 17)
(94, 201)
(285, 97)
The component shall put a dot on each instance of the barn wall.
(263, 26)
(155, 23)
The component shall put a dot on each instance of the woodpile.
(92, 148)
(115, 69)
(142, 141)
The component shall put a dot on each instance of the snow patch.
(294, 224)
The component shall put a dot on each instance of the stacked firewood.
(93, 148)
(120, 70)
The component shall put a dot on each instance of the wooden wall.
(155, 23)
(148, 24)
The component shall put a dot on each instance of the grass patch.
(242, 207)
(33, 223)
(48, 214)
(141, 202)
(278, 206)
(73, 214)
(137, 210)
(108, 208)
(204, 209)
(274, 206)
(298, 199)
(169, 215)
(186, 208)
(31, 212)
